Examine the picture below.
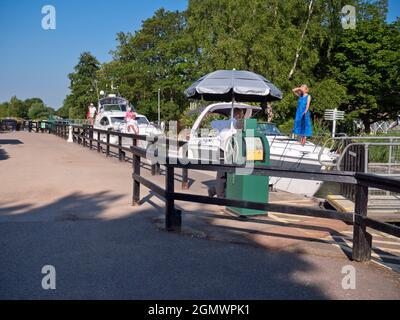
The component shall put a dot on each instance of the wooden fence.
(360, 182)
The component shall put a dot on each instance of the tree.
(289, 42)
(82, 86)
(17, 108)
(158, 56)
(39, 111)
(4, 110)
(278, 39)
(27, 104)
(366, 61)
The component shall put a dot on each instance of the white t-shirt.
(92, 111)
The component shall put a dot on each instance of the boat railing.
(318, 142)
(379, 151)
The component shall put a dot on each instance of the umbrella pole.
(232, 114)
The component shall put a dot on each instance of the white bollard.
(70, 138)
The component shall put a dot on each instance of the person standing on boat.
(302, 122)
(91, 113)
(130, 118)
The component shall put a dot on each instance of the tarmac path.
(68, 207)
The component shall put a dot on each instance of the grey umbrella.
(234, 85)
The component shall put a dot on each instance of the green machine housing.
(250, 187)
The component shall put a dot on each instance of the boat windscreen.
(142, 120)
(268, 129)
(114, 107)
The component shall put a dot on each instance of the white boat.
(288, 153)
(285, 152)
(111, 116)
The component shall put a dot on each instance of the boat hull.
(299, 186)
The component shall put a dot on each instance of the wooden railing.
(362, 240)
(87, 136)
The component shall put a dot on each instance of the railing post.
(121, 156)
(155, 169)
(185, 179)
(134, 142)
(90, 138)
(362, 240)
(30, 126)
(84, 136)
(98, 142)
(70, 135)
(136, 184)
(390, 156)
(108, 145)
(173, 220)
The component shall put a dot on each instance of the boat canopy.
(114, 104)
(224, 108)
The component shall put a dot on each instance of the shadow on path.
(10, 141)
(128, 258)
(3, 154)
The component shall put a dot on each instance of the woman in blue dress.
(302, 122)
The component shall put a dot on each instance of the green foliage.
(4, 110)
(188, 118)
(287, 126)
(17, 108)
(366, 61)
(327, 94)
(83, 87)
(38, 111)
(289, 42)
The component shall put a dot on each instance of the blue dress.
(302, 124)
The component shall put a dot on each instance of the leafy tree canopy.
(289, 42)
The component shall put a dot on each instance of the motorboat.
(211, 140)
(289, 153)
(110, 116)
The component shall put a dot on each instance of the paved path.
(65, 206)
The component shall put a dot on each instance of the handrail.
(376, 181)
(362, 240)
(368, 144)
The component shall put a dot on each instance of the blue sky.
(35, 62)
